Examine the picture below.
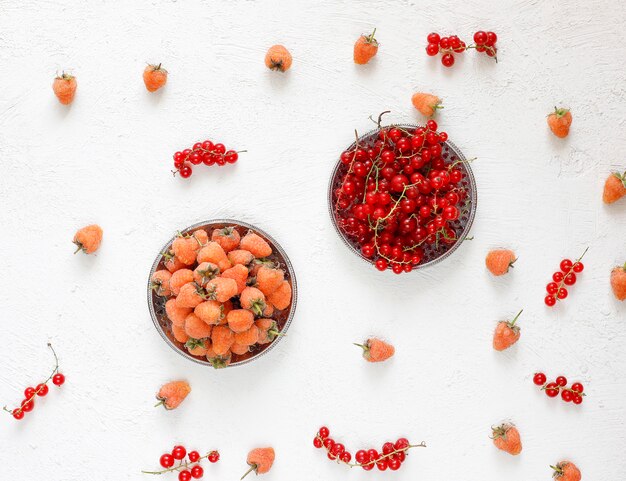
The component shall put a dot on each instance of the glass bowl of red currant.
(402, 197)
(273, 325)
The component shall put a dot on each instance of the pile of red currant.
(396, 194)
(28, 404)
(187, 469)
(566, 276)
(446, 46)
(391, 457)
(568, 394)
(486, 42)
(206, 153)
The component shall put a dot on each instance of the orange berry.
(426, 104)
(253, 299)
(260, 460)
(197, 347)
(155, 77)
(173, 393)
(196, 327)
(160, 282)
(227, 237)
(201, 236)
(365, 48)
(257, 246)
(190, 295)
(218, 362)
(88, 239)
(175, 313)
(268, 330)
(221, 289)
(506, 334)
(269, 309)
(239, 349)
(240, 320)
(506, 438)
(566, 471)
(614, 187)
(498, 261)
(213, 252)
(185, 248)
(179, 333)
(64, 87)
(248, 337)
(205, 272)
(239, 274)
(211, 312)
(376, 350)
(241, 257)
(281, 297)
(268, 279)
(618, 282)
(559, 122)
(222, 338)
(179, 279)
(278, 58)
(172, 263)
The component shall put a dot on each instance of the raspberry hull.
(402, 196)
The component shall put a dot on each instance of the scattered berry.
(88, 239)
(614, 188)
(618, 282)
(486, 42)
(566, 471)
(539, 379)
(260, 461)
(155, 77)
(278, 58)
(376, 350)
(365, 48)
(185, 469)
(447, 46)
(559, 122)
(559, 386)
(64, 87)
(172, 394)
(506, 438)
(498, 261)
(506, 334)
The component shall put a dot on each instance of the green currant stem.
(54, 371)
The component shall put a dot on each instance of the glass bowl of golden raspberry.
(402, 197)
(222, 293)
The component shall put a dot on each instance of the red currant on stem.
(184, 476)
(197, 471)
(214, 456)
(193, 456)
(167, 460)
(179, 452)
(539, 379)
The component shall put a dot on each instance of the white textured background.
(106, 159)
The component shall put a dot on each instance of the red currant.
(29, 392)
(565, 265)
(432, 49)
(382, 465)
(447, 60)
(361, 456)
(328, 443)
(570, 279)
(561, 381)
(167, 460)
(539, 379)
(550, 301)
(214, 457)
(231, 156)
(566, 395)
(492, 38)
(219, 148)
(577, 399)
(42, 389)
(401, 443)
(578, 267)
(381, 264)
(394, 464)
(558, 276)
(179, 452)
(185, 171)
(193, 456)
(577, 387)
(552, 389)
(480, 37)
(184, 475)
(562, 294)
(433, 37)
(28, 406)
(197, 471)
(552, 288)
(346, 457)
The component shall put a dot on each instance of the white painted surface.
(106, 159)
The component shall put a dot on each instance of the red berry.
(167, 460)
(565, 265)
(401, 443)
(184, 476)
(561, 381)
(388, 448)
(18, 414)
(566, 395)
(570, 279)
(214, 457)
(539, 379)
(562, 294)
(552, 390)
(367, 467)
(552, 288)
(480, 37)
(29, 392)
(432, 49)
(577, 399)
(317, 442)
(193, 456)
(433, 37)
(382, 465)
(578, 267)
(185, 171)
(197, 471)
(577, 387)
(444, 43)
(231, 156)
(28, 406)
(492, 38)
(381, 264)
(394, 464)
(179, 452)
(58, 379)
(550, 301)
(447, 60)
(42, 389)
(558, 276)
(346, 457)
(328, 443)
(219, 148)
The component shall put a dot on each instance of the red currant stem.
(252, 468)
(54, 371)
(560, 388)
(569, 271)
(459, 161)
(380, 118)
(491, 49)
(512, 323)
(182, 465)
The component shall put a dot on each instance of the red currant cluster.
(391, 457)
(446, 46)
(206, 153)
(565, 277)
(486, 42)
(186, 469)
(397, 194)
(568, 394)
(28, 404)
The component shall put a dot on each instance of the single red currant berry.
(432, 49)
(346, 457)
(219, 148)
(367, 467)
(185, 171)
(388, 448)
(381, 265)
(372, 454)
(492, 38)
(361, 456)
(328, 443)
(195, 158)
(42, 389)
(317, 442)
(433, 37)
(179, 452)
(570, 279)
(214, 457)
(397, 268)
(550, 301)
(577, 387)
(28, 406)
(29, 392)
(577, 399)
(480, 37)
(558, 276)
(431, 125)
(382, 465)
(401, 443)
(231, 156)
(552, 390)
(407, 268)
(18, 414)
(552, 288)
(207, 145)
(566, 265)
(561, 381)
(539, 379)
(444, 43)
(578, 267)
(58, 379)
(197, 471)
(184, 475)
(193, 456)
(562, 294)
(566, 395)
(167, 460)
(394, 464)
(447, 60)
